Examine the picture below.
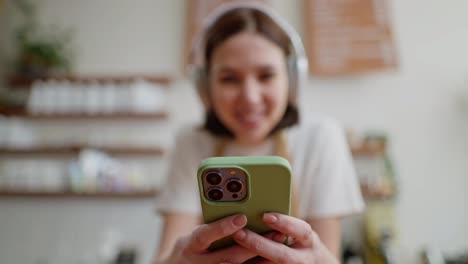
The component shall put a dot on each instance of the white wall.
(415, 105)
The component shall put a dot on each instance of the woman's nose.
(251, 91)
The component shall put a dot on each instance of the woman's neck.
(252, 143)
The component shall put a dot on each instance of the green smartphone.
(250, 185)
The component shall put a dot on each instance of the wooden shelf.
(378, 194)
(14, 112)
(70, 194)
(25, 82)
(368, 151)
(75, 150)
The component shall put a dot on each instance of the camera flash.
(233, 172)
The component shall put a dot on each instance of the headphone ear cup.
(293, 75)
(201, 81)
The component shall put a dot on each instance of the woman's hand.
(305, 246)
(194, 247)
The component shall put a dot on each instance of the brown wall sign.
(346, 37)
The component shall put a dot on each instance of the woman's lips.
(250, 120)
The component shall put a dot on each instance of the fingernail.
(270, 218)
(280, 238)
(240, 235)
(239, 221)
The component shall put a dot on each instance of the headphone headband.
(298, 73)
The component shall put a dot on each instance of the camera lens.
(234, 186)
(215, 194)
(213, 178)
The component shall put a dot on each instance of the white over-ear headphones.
(297, 60)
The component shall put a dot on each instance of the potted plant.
(40, 52)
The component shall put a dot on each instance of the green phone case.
(269, 190)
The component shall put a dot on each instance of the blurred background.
(92, 92)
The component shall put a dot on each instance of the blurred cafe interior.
(92, 94)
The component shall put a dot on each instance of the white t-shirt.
(322, 166)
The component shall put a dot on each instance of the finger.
(234, 254)
(298, 229)
(271, 235)
(271, 250)
(206, 234)
(278, 237)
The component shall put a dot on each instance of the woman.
(249, 69)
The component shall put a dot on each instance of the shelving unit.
(374, 151)
(62, 150)
(72, 150)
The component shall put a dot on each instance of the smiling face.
(249, 86)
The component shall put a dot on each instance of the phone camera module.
(215, 194)
(234, 186)
(213, 178)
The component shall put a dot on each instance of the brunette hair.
(245, 20)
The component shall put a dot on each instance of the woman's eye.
(228, 79)
(266, 76)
